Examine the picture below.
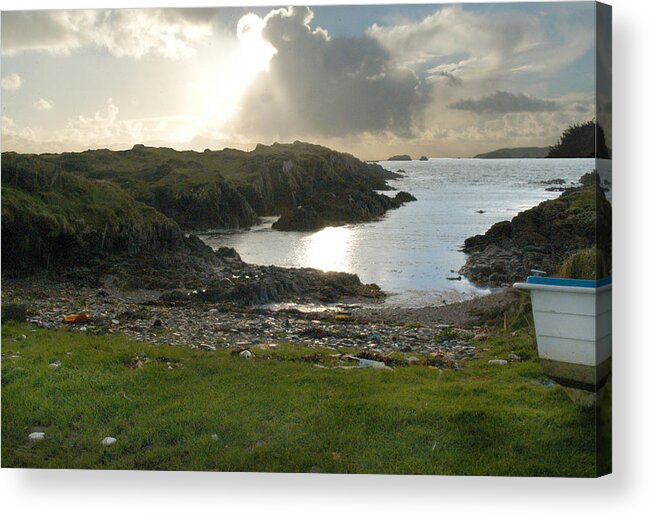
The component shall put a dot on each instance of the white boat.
(573, 329)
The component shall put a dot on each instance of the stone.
(370, 363)
(109, 440)
(55, 364)
(500, 362)
(246, 354)
(514, 357)
(37, 436)
(412, 360)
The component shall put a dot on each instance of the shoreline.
(141, 315)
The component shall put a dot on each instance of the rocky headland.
(542, 237)
(59, 225)
(232, 188)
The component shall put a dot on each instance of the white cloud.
(102, 129)
(134, 33)
(7, 123)
(473, 46)
(11, 82)
(43, 105)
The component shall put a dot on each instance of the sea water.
(414, 252)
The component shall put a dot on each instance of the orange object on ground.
(76, 318)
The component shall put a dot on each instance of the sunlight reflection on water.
(413, 252)
(328, 249)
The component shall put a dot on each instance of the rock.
(499, 362)
(157, 323)
(246, 354)
(228, 255)
(540, 238)
(412, 360)
(404, 197)
(37, 436)
(175, 295)
(370, 363)
(514, 357)
(109, 440)
(214, 437)
(55, 364)
(13, 311)
(424, 158)
(400, 158)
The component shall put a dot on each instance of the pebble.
(109, 440)
(55, 364)
(498, 361)
(37, 436)
(197, 327)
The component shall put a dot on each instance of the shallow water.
(414, 250)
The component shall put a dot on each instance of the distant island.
(400, 158)
(516, 152)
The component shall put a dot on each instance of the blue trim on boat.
(569, 282)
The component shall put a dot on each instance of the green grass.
(280, 413)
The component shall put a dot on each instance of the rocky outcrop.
(400, 158)
(252, 285)
(335, 209)
(231, 188)
(50, 217)
(540, 238)
(203, 207)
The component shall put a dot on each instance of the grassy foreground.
(196, 410)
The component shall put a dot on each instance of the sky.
(437, 80)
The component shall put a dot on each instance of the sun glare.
(221, 86)
(329, 249)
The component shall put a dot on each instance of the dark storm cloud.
(505, 102)
(317, 85)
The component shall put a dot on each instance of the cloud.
(133, 33)
(505, 102)
(101, 129)
(43, 105)
(481, 46)
(321, 86)
(11, 82)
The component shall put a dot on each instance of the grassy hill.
(53, 216)
(231, 188)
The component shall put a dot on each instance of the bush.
(587, 264)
